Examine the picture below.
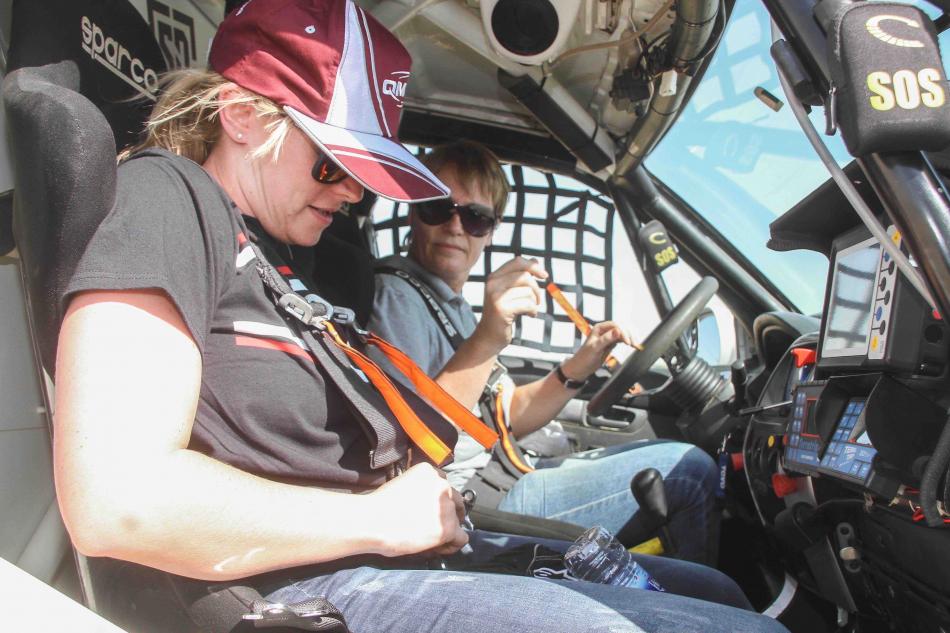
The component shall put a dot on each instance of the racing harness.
(508, 462)
(379, 403)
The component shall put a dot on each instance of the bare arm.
(129, 375)
(535, 404)
(510, 292)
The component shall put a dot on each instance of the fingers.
(459, 505)
(499, 284)
(522, 264)
(518, 301)
(611, 332)
(458, 541)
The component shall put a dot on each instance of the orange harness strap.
(506, 446)
(577, 318)
(434, 393)
(423, 437)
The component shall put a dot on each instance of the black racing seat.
(64, 111)
(65, 174)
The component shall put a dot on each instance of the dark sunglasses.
(477, 220)
(326, 171)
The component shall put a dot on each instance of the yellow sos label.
(906, 89)
(665, 257)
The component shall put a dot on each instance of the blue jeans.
(593, 488)
(409, 601)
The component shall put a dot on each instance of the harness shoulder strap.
(425, 426)
(431, 303)
(507, 452)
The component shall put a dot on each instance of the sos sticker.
(656, 243)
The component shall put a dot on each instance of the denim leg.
(676, 576)
(593, 488)
(409, 601)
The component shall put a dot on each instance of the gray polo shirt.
(401, 316)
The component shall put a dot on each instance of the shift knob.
(648, 490)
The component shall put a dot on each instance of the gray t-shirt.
(401, 316)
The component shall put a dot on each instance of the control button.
(887, 297)
(883, 283)
(890, 268)
(879, 313)
(771, 441)
(882, 327)
(936, 315)
(887, 257)
(855, 469)
(783, 485)
(874, 342)
(863, 473)
(865, 453)
(849, 553)
(803, 356)
(738, 461)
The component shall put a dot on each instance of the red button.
(936, 315)
(783, 485)
(804, 356)
(738, 461)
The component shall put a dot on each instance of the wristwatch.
(569, 383)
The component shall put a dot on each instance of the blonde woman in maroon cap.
(199, 431)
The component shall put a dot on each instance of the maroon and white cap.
(339, 75)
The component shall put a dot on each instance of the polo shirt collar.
(443, 292)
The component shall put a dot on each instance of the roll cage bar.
(906, 183)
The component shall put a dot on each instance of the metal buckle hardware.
(312, 311)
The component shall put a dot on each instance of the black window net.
(563, 223)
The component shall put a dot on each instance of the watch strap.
(570, 383)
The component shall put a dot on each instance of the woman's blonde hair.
(185, 117)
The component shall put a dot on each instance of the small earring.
(240, 136)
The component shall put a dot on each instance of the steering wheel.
(654, 346)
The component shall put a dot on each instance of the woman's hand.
(510, 292)
(592, 354)
(418, 511)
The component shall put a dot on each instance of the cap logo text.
(396, 87)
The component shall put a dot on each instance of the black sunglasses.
(477, 220)
(326, 171)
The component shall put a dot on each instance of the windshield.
(740, 164)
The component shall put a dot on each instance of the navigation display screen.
(852, 296)
(850, 452)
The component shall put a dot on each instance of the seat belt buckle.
(312, 311)
(494, 378)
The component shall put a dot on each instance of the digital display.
(846, 455)
(852, 296)
(801, 453)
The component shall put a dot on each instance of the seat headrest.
(64, 167)
(110, 43)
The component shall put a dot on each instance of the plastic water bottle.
(596, 556)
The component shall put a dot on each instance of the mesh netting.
(561, 222)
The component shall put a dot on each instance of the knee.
(697, 464)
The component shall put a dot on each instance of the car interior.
(827, 417)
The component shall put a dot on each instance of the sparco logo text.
(117, 58)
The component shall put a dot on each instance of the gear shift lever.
(650, 520)
(648, 490)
